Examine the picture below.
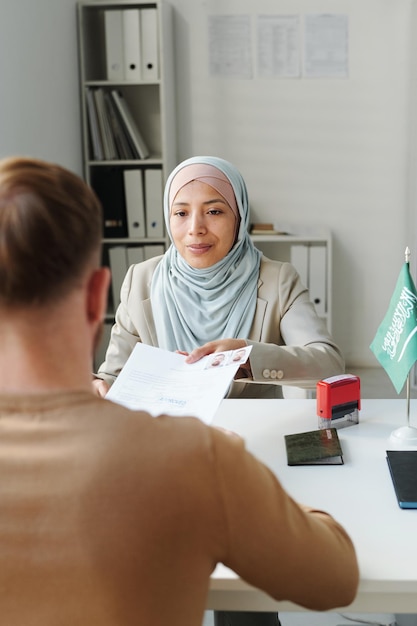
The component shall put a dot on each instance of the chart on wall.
(286, 46)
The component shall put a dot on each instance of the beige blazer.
(291, 344)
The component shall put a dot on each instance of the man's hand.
(100, 387)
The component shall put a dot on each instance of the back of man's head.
(50, 231)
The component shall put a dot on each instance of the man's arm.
(290, 551)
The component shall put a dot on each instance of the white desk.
(359, 494)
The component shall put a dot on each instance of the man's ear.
(98, 288)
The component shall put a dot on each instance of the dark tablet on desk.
(403, 468)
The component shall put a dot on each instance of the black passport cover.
(315, 447)
(403, 468)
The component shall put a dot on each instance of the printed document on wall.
(230, 46)
(326, 45)
(278, 46)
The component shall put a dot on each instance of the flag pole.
(408, 399)
(407, 260)
(406, 434)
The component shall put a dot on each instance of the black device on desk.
(403, 468)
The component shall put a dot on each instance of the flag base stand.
(405, 434)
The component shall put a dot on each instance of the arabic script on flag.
(395, 343)
(404, 310)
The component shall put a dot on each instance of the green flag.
(395, 343)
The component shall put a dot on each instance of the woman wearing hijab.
(213, 291)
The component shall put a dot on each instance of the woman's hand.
(100, 387)
(221, 345)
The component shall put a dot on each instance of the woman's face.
(203, 226)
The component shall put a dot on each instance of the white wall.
(318, 151)
(328, 152)
(39, 102)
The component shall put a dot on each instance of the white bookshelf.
(311, 254)
(148, 92)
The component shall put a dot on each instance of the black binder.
(108, 183)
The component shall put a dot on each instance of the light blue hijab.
(193, 306)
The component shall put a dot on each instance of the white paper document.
(230, 46)
(279, 46)
(159, 381)
(326, 46)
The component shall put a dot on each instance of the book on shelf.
(112, 129)
(317, 271)
(109, 146)
(93, 127)
(135, 204)
(152, 250)
(132, 56)
(135, 137)
(149, 42)
(263, 228)
(256, 231)
(299, 257)
(135, 254)
(118, 266)
(123, 148)
(315, 447)
(113, 30)
(154, 202)
(108, 184)
(131, 44)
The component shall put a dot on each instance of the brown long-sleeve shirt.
(110, 517)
